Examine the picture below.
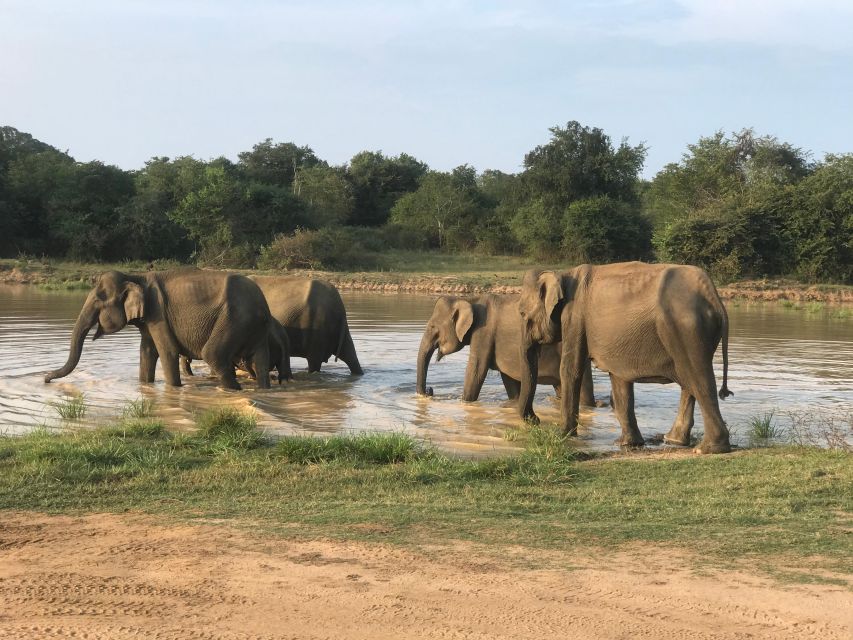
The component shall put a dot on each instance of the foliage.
(739, 205)
(329, 248)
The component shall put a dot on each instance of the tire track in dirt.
(129, 577)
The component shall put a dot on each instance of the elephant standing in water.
(279, 347)
(489, 325)
(220, 317)
(314, 318)
(641, 323)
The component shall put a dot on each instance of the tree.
(603, 229)
(445, 208)
(327, 195)
(821, 222)
(378, 182)
(277, 164)
(581, 162)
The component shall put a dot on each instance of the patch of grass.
(371, 448)
(73, 408)
(762, 503)
(841, 314)
(139, 408)
(815, 307)
(762, 429)
(229, 429)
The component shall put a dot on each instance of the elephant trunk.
(428, 347)
(85, 321)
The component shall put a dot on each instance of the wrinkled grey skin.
(314, 318)
(639, 322)
(219, 317)
(279, 347)
(489, 325)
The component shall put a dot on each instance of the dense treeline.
(739, 205)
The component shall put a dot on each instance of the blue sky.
(449, 82)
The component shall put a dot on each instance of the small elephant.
(641, 323)
(217, 316)
(279, 346)
(489, 325)
(314, 317)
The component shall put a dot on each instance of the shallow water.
(786, 361)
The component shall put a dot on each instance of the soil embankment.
(130, 576)
(77, 276)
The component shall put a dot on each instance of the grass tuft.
(368, 448)
(137, 428)
(139, 408)
(229, 429)
(762, 429)
(72, 408)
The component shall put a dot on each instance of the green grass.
(765, 503)
(72, 408)
(762, 429)
(139, 408)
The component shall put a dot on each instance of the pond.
(794, 363)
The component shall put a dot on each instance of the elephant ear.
(463, 318)
(550, 291)
(134, 301)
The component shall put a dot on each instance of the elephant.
(216, 316)
(640, 322)
(314, 318)
(489, 325)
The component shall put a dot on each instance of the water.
(790, 362)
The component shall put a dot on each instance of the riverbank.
(133, 531)
(420, 273)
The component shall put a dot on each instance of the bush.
(332, 248)
(603, 229)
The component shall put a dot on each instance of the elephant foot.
(630, 442)
(676, 440)
(531, 419)
(601, 402)
(713, 447)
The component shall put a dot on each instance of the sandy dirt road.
(131, 576)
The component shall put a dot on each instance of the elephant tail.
(724, 390)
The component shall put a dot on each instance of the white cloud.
(819, 24)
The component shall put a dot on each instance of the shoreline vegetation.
(415, 272)
(764, 506)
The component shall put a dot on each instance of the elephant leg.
(571, 378)
(186, 366)
(219, 355)
(716, 437)
(167, 349)
(679, 434)
(512, 386)
(623, 407)
(260, 364)
(170, 369)
(694, 369)
(315, 361)
(557, 391)
(349, 356)
(475, 376)
(147, 357)
(587, 394)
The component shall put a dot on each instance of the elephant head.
(115, 301)
(541, 294)
(447, 331)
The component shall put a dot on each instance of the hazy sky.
(449, 82)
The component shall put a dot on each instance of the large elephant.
(314, 317)
(220, 317)
(489, 325)
(640, 322)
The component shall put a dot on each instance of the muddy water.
(790, 362)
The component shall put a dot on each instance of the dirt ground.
(131, 576)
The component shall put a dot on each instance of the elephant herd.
(638, 322)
